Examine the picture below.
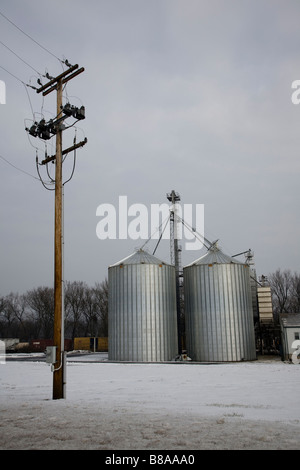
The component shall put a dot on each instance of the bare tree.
(41, 303)
(295, 293)
(2, 304)
(74, 307)
(8, 318)
(282, 283)
(15, 306)
(101, 295)
(86, 309)
(91, 312)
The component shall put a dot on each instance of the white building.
(290, 335)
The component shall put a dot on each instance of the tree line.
(31, 315)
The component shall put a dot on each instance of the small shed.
(290, 335)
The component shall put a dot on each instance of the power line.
(17, 168)
(23, 83)
(24, 61)
(36, 42)
(17, 78)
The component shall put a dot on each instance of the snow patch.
(151, 406)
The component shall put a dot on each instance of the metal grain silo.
(218, 309)
(142, 309)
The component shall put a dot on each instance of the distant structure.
(290, 334)
(175, 256)
(264, 298)
(268, 336)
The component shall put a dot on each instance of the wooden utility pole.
(59, 378)
(58, 340)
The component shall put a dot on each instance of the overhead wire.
(31, 38)
(26, 85)
(29, 65)
(72, 173)
(20, 58)
(48, 173)
(30, 103)
(17, 78)
(36, 148)
(52, 181)
(17, 168)
(28, 96)
(62, 62)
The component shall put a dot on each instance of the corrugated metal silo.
(218, 309)
(142, 309)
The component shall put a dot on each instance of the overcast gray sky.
(191, 95)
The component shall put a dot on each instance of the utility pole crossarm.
(64, 152)
(56, 79)
(64, 80)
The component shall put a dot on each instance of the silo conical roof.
(140, 257)
(214, 256)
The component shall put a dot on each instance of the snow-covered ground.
(119, 406)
